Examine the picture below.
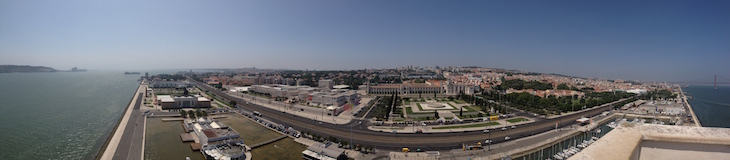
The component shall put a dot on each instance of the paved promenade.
(691, 111)
(127, 141)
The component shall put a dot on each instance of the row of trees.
(663, 94)
(519, 84)
(480, 101)
(193, 114)
(556, 105)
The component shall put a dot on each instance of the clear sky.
(639, 40)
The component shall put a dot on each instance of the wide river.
(712, 106)
(63, 115)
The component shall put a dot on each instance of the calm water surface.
(64, 115)
(712, 106)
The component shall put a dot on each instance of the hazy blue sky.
(640, 40)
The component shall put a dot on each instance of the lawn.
(419, 106)
(409, 111)
(468, 126)
(452, 106)
(515, 120)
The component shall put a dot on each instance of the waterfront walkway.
(128, 139)
(691, 111)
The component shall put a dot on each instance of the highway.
(381, 140)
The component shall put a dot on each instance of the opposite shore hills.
(28, 69)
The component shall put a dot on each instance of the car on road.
(513, 127)
(486, 131)
(506, 138)
(504, 128)
(487, 141)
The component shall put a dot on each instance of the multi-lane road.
(381, 140)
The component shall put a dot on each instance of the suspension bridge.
(715, 80)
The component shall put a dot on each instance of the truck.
(475, 146)
(493, 118)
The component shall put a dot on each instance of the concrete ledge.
(626, 142)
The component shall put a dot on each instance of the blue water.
(64, 115)
(712, 106)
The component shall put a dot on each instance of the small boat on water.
(612, 124)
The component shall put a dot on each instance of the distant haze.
(636, 40)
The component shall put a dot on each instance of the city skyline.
(658, 41)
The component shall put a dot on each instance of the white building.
(326, 84)
(324, 151)
(306, 94)
(211, 131)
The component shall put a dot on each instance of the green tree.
(183, 114)
(198, 113)
(563, 86)
(191, 114)
(204, 113)
(461, 111)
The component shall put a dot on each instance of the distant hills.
(26, 68)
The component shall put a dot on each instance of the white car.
(487, 141)
(506, 138)
(513, 127)
(486, 131)
(504, 128)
